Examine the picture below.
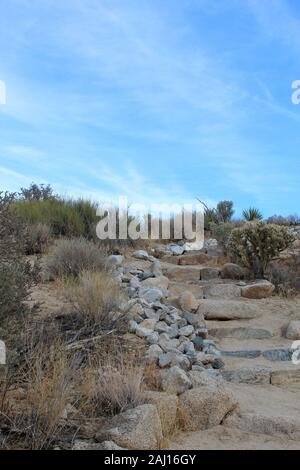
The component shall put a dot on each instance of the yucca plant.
(252, 214)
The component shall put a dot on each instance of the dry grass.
(70, 257)
(111, 386)
(35, 420)
(95, 296)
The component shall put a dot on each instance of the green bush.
(221, 232)
(252, 214)
(257, 243)
(70, 257)
(64, 217)
(16, 275)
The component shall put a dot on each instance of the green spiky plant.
(252, 214)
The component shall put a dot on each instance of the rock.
(168, 359)
(254, 375)
(215, 309)
(222, 291)
(241, 333)
(205, 377)
(209, 273)
(141, 254)
(279, 425)
(202, 332)
(153, 354)
(187, 302)
(198, 343)
(134, 283)
(278, 354)
(246, 354)
(186, 330)
(293, 330)
(176, 381)
(232, 271)
(162, 327)
(143, 332)
(217, 363)
(206, 406)
(132, 326)
(151, 294)
(80, 444)
(176, 249)
(285, 377)
(161, 282)
(115, 260)
(190, 260)
(138, 428)
(166, 405)
(149, 323)
(169, 344)
(259, 290)
(194, 319)
(153, 338)
(193, 246)
(184, 273)
(156, 269)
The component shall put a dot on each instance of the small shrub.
(38, 237)
(221, 232)
(37, 192)
(95, 296)
(113, 386)
(257, 243)
(225, 211)
(48, 385)
(69, 257)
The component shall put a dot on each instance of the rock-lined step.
(253, 375)
(223, 310)
(270, 354)
(222, 291)
(285, 377)
(265, 424)
(241, 333)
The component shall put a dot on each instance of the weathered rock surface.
(259, 290)
(241, 333)
(206, 406)
(232, 271)
(293, 330)
(176, 381)
(187, 302)
(213, 309)
(253, 375)
(183, 273)
(166, 405)
(209, 273)
(138, 428)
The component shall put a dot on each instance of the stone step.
(242, 332)
(261, 423)
(280, 355)
(262, 375)
(222, 291)
(225, 310)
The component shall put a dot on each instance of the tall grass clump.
(96, 296)
(70, 257)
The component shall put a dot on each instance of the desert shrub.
(38, 237)
(257, 243)
(252, 214)
(37, 192)
(47, 381)
(96, 296)
(222, 232)
(60, 216)
(225, 211)
(111, 386)
(280, 220)
(16, 275)
(69, 257)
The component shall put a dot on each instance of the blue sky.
(159, 100)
